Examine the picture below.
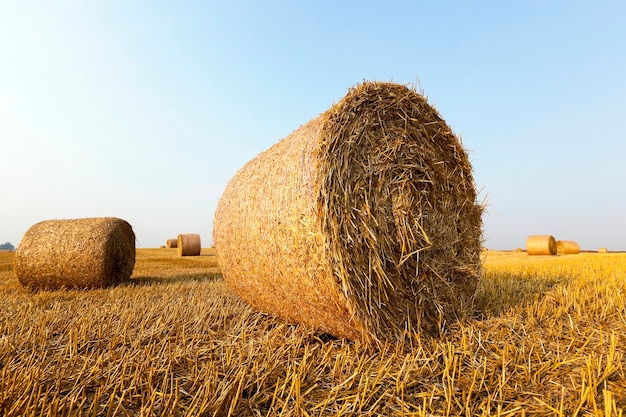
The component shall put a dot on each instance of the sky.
(144, 110)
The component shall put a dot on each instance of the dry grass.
(546, 338)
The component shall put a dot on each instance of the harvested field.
(544, 339)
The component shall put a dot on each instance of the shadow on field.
(499, 293)
(174, 279)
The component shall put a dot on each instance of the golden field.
(546, 338)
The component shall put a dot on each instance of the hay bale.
(189, 245)
(362, 223)
(567, 247)
(602, 250)
(171, 243)
(541, 245)
(76, 253)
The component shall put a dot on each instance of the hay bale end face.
(567, 247)
(189, 245)
(541, 245)
(362, 223)
(76, 253)
(171, 243)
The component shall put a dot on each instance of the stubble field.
(546, 337)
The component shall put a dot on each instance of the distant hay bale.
(362, 223)
(541, 245)
(189, 245)
(76, 253)
(602, 250)
(171, 243)
(567, 247)
(518, 250)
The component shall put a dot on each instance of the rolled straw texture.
(567, 247)
(76, 253)
(362, 223)
(171, 243)
(189, 245)
(541, 245)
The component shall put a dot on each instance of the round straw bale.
(541, 245)
(602, 250)
(171, 243)
(567, 247)
(362, 223)
(189, 245)
(76, 253)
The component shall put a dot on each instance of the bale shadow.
(503, 292)
(178, 278)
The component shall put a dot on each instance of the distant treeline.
(7, 246)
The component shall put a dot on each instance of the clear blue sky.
(144, 110)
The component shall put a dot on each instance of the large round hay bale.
(541, 245)
(567, 247)
(189, 245)
(76, 253)
(171, 243)
(363, 223)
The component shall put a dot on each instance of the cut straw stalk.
(76, 253)
(362, 223)
(541, 245)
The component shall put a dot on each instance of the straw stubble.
(362, 223)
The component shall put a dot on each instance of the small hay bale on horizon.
(567, 247)
(541, 245)
(76, 253)
(189, 244)
(362, 223)
(171, 243)
(602, 250)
